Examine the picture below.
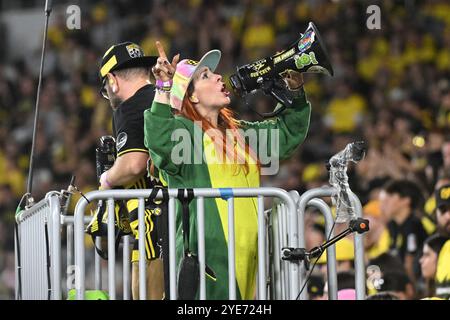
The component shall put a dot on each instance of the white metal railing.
(287, 230)
(34, 267)
(200, 194)
(312, 198)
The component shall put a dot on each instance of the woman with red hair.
(214, 152)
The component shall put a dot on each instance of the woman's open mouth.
(224, 90)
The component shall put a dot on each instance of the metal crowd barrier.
(40, 269)
(200, 194)
(310, 198)
(37, 261)
(280, 277)
(283, 226)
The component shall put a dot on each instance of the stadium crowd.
(391, 89)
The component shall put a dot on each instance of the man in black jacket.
(125, 74)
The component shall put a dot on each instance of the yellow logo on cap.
(192, 62)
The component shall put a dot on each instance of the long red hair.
(227, 123)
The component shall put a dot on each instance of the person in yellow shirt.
(258, 38)
(346, 111)
(377, 241)
(443, 263)
(428, 262)
(344, 256)
(442, 195)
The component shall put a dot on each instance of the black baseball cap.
(124, 55)
(443, 196)
(316, 286)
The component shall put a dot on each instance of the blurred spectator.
(377, 241)
(399, 284)
(258, 39)
(399, 201)
(346, 280)
(346, 285)
(344, 256)
(316, 287)
(387, 262)
(346, 110)
(382, 296)
(428, 262)
(442, 279)
(442, 195)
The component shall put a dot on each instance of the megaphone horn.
(312, 55)
(306, 55)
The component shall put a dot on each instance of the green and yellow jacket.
(161, 128)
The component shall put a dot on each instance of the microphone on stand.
(358, 225)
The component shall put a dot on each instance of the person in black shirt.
(399, 202)
(125, 74)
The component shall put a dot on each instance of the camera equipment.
(307, 54)
(105, 154)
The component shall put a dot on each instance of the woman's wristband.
(297, 92)
(164, 86)
(296, 89)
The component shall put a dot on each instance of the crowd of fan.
(391, 89)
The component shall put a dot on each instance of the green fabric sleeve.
(292, 125)
(159, 124)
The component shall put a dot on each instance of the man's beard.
(114, 101)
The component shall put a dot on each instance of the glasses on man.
(103, 90)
